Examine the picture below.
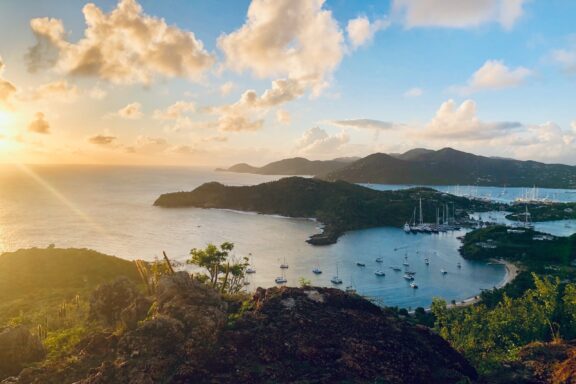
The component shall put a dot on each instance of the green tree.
(223, 272)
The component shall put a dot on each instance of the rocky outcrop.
(286, 335)
(323, 335)
(18, 347)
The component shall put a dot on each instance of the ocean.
(109, 209)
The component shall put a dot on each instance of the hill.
(295, 166)
(341, 206)
(450, 167)
(278, 336)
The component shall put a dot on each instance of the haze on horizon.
(220, 82)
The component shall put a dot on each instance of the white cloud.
(362, 124)
(124, 46)
(175, 111)
(360, 30)
(132, 111)
(59, 90)
(573, 127)
(494, 75)
(458, 13)
(248, 112)
(97, 93)
(7, 89)
(414, 92)
(283, 117)
(226, 88)
(317, 141)
(39, 124)
(297, 39)
(462, 123)
(566, 58)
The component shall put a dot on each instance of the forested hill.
(295, 166)
(341, 206)
(426, 167)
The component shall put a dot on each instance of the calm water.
(109, 209)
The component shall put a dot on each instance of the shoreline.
(511, 273)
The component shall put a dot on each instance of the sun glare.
(6, 119)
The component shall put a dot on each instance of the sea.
(110, 209)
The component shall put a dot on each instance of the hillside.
(279, 336)
(450, 167)
(341, 206)
(295, 166)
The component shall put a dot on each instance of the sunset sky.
(195, 82)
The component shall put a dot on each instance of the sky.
(194, 82)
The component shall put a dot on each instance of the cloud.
(494, 75)
(361, 31)
(462, 123)
(132, 111)
(247, 113)
(458, 13)
(215, 139)
(283, 117)
(226, 88)
(566, 59)
(102, 140)
(296, 39)
(573, 127)
(59, 90)
(175, 111)
(318, 141)
(414, 92)
(39, 124)
(97, 93)
(124, 46)
(7, 89)
(362, 124)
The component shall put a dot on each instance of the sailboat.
(396, 269)
(250, 269)
(413, 285)
(284, 265)
(281, 279)
(427, 261)
(336, 279)
(442, 271)
(405, 263)
(527, 219)
(379, 273)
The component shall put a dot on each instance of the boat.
(427, 261)
(246, 283)
(407, 228)
(410, 273)
(350, 289)
(414, 285)
(379, 260)
(397, 269)
(284, 265)
(442, 271)
(408, 277)
(360, 264)
(281, 280)
(250, 270)
(459, 265)
(379, 273)
(317, 271)
(336, 279)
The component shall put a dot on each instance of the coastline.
(511, 273)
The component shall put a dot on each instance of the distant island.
(340, 206)
(425, 167)
(297, 166)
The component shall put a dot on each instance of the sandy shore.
(511, 273)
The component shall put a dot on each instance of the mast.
(421, 216)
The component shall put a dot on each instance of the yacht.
(408, 277)
(336, 279)
(317, 271)
(407, 228)
(414, 285)
(427, 261)
(350, 289)
(397, 269)
(459, 265)
(379, 273)
(281, 280)
(284, 265)
(379, 260)
(250, 270)
(360, 264)
(442, 271)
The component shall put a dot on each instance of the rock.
(109, 300)
(18, 347)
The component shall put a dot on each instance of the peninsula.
(339, 205)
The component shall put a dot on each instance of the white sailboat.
(281, 279)
(284, 265)
(336, 279)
